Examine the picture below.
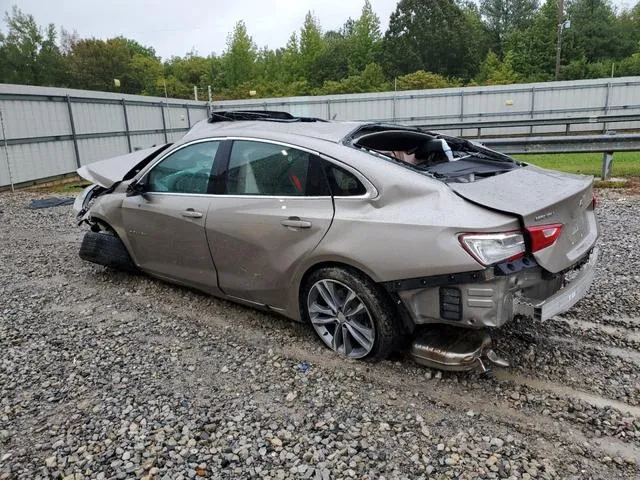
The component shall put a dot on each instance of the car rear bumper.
(563, 299)
(493, 299)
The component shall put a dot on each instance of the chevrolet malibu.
(377, 235)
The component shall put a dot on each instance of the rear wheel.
(350, 314)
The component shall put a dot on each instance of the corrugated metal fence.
(50, 131)
(579, 98)
(47, 132)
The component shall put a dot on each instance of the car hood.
(541, 197)
(108, 172)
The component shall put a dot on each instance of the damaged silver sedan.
(372, 233)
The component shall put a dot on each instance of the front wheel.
(350, 314)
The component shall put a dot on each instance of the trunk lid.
(108, 172)
(542, 197)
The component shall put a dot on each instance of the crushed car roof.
(331, 131)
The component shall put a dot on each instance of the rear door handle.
(191, 213)
(296, 222)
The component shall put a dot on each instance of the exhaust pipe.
(448, 348)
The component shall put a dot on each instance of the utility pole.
(560, 26)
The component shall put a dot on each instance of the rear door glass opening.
(447, 158)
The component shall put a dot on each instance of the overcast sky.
(175, 27)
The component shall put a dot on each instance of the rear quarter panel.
(409, 229)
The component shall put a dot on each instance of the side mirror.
(136, 188)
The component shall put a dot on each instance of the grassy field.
(625, 164)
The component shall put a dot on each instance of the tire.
(106, 249)
(369, 319)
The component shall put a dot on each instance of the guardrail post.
(394, 105)
(607, 164)
(606, 106)
(164, 124)
(126, 124)
(6, 151)
(533, 107)
(73, 132)
(461, 110)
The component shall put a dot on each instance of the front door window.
(187, 170)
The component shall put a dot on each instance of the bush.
(422, 80)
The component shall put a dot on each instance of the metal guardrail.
(539, 122)
(607, 144)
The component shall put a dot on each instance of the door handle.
(296, 222)
(191, 213)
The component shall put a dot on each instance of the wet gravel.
(111, 375)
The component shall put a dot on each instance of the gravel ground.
(110, 375)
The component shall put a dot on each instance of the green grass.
(70, 188)
(611, 183)
(625, 164)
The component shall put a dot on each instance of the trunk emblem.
(544, 215)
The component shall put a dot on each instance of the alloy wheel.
(341, 318)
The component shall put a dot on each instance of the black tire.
(379, 308)
(106, 249)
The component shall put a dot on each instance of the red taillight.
(543, 236)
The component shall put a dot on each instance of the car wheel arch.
(99, 223)
(388, 311)
(329, 264)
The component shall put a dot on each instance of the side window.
(343, 183)
(257, 168)
(188, 170)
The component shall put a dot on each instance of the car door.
(165, 224)
(275, 210)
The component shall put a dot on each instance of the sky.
(177, 27)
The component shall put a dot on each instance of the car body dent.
(406, 226)
(552, 198)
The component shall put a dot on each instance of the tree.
(628, 25)
(429, 44)
(238, 61)
(594, 32)
(291, 59)
(422, 80)
(478, 35)
(534, 48)
(365, 38)
(370, 80)
(432, 36)
(29, 54)
(504, 16)
(335, 60)
(311, 47)
(93, 64)
(496, 72)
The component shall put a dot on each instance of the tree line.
(428, 44)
